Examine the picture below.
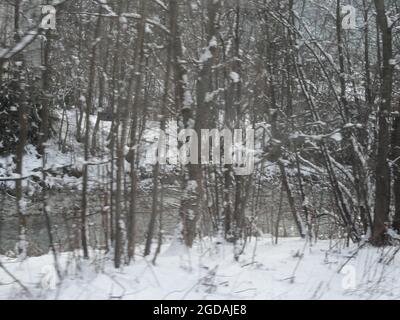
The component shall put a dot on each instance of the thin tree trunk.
(20, 89)
(139, 58)
(156, 170)
(89, 108)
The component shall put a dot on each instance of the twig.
(351, 257)
(16, 280)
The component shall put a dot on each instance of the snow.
(188, 100)
(154, 22)
(213, 42)
(235, 77)
(124, 23)
(210, 96)
(105, 6)
(205, 55)
(162, 4)
(191, 186)
(55, 160)
(336, 136)
(206, 52)
(293, 269)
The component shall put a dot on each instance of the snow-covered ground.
(290, 270)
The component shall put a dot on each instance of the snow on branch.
(26, 40)
(112, 14)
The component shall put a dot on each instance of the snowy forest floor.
(290, 270)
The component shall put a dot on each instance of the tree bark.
(382, 195)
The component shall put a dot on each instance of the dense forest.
(91, 89)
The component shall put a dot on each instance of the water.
(63, 207)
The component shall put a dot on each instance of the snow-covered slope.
(290, 270)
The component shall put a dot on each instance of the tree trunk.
(396, 168)
(139, 58)
(382, 202)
